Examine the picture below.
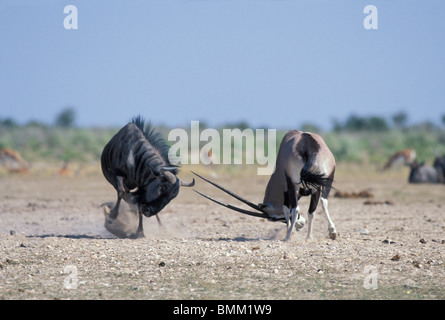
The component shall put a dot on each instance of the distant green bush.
(41, 143)
(37, 142)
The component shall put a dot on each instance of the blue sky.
(272, 63)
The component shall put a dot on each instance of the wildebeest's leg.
(159, 220)
(120, 193)
(140, 231)
(315, 196)
(324, 203)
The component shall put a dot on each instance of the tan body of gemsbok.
(305, 166)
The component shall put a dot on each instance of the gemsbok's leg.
(331, 225)
(291, 202)
(294, 212)
(310, 215)
(324, 203)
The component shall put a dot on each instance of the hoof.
(138, 235)
(300, 223)
(333, 235)
(288, 235)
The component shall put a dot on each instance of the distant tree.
(237, 125)
(443, 119)
(377, 124)
(400, 119)
(36, 124)
(357, 123)
(8, 123)
(336, 125)
(66, 118)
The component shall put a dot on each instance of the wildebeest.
(425, 174)
(304, 166)
(135, 161)
(439, 164)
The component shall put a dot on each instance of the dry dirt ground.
(53, 244)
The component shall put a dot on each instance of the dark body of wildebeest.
(439, 164)
(135, 161)
(420, 173)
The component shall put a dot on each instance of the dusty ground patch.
(53, 244)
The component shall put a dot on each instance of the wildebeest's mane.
(154, 138)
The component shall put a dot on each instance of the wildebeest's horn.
(187, 184)
(170, 177)
(169, 168)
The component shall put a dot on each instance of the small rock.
(388, 241)
(410, 284)
(161, 264)
(396, 258)
(10, 261)
(12, 232)
(361, 230)
(423, 241)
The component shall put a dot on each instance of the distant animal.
(439, 164)
(425, 174)
(405, 157)
(64, 171)
(304, 166)
(135, 161)
(13, 161)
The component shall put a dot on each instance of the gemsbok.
(304, 166)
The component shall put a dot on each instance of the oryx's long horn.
(250, 213)
(250, 204)
(187, 184)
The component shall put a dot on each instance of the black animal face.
(156, 195)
